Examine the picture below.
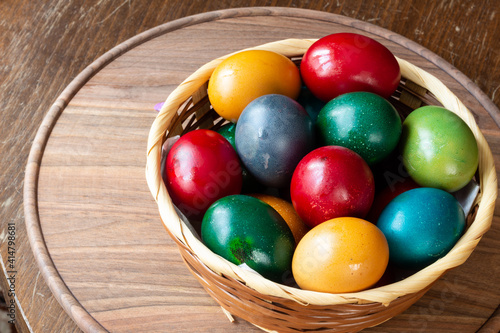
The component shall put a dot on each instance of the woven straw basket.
(280, 308)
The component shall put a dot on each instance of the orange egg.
(341, 255)
(288, 213)
(246, 75)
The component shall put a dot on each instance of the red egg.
(386, 195)
(346, 62)
(200, 168)
(330, 182)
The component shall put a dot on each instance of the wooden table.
(44, 54)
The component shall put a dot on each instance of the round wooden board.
(94, 227)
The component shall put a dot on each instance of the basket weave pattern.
(276, 307)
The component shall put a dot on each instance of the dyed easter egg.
(287, 212)
(386, 194)
(363, 122)
(341, 255)
(346, 62)
(200, 168)
(246, 75)
(421, 225)
(438, 148)
(250, 184)
(228, 131)
(330, 182)
(244, 229)
(273, 133)
(311, 103)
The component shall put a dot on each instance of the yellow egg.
(246, 75)
(341, 255)
(288, 213)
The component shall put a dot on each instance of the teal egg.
(244, 229)
(311, 103)
(363, 122)
(421, 226)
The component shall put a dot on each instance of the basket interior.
(197, 113)
(290, 314)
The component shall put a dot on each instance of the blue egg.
(421, 226)
(272, 135)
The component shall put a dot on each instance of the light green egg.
(438, 148)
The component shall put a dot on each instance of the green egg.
(227, 131)
(244, 229)
(438, 148)
(363, 122)
(250, 184)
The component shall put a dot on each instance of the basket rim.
(385, 294)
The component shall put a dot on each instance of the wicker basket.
(276, 307)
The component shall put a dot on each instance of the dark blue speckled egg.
(272, 135)
(421, 226)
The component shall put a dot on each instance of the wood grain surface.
(46, 46)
